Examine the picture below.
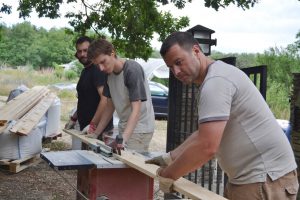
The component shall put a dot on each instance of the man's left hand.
(89, 129)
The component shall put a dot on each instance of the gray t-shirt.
(128, 86)
(253, 144)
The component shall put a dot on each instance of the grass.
(57, 146)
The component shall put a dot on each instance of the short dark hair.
(184, 39)
(83, 39)
(100, 46)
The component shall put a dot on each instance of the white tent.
(154, 67)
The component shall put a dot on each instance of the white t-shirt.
(253, 144)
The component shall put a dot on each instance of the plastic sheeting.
(154, 67)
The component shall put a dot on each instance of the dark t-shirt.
(88, 97)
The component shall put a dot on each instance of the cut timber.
(31, 118)
(20, 105)
(15, 166)
(181, 185)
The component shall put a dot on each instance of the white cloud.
(269, 23)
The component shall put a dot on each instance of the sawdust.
(40, 182)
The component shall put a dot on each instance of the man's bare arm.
(198, 149)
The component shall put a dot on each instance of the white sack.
(16, 147)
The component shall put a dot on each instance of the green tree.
(281, 64)
(131, 23)
(16, 42)
(53, 46)
(242, 59)
(24, 44)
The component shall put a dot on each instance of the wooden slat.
(25, 125)
(82, 137)
(181, 185)
(18, 102)
(137, 162)
(20, 105)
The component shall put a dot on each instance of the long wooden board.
(82, 137)
(182, 185)
(137, 161)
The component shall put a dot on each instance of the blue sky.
(268, 24)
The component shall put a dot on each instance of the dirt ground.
(40, 182)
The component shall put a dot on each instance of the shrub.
(70, 75)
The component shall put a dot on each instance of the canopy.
(154, 67)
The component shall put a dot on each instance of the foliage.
(131, 23)
(281, 64)
(66, 94)
(58, 71)
(278, 99)
(77, 67)
(26, 44)
(12, 78)
(70, 75)
(56, 146)
(242, 60)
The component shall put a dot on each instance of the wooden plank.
(181, 185)
(137, 161)
(82, 137)
(19, 102)
(25, 125)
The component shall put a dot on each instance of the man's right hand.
(71, 124)
(162, 160)
(165, 184)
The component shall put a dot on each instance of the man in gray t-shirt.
(128, 93)
(235, 125)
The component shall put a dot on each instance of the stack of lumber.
(26, 109)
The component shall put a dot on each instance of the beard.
(85, 61)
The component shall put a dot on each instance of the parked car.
(286, 127)
(159, 95)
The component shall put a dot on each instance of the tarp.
(154, 67)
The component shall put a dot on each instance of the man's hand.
(89, 129)
(71, 123)
(163, 160)
(117, 144)
(165, 184)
